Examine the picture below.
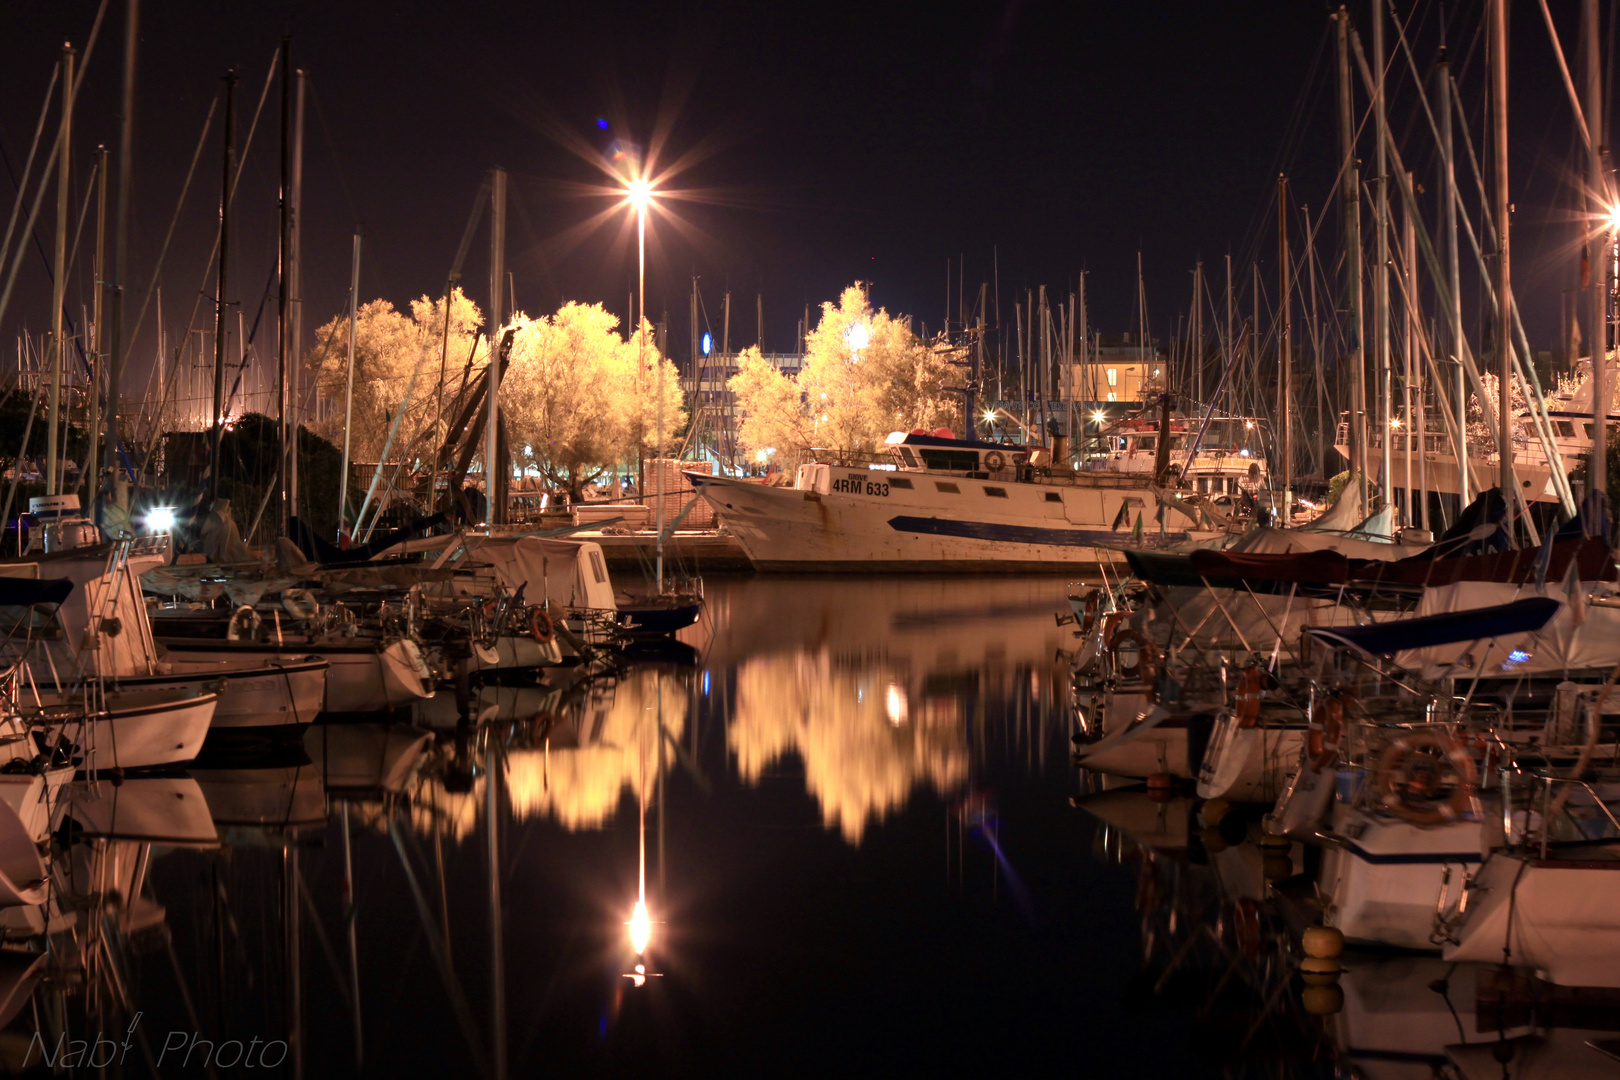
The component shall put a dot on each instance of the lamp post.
(639, 192)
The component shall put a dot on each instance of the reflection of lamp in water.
(640, 928)
(894, 703)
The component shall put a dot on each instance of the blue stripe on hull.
(1018, 534)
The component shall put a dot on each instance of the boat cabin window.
(597, 567)
(1564, 428)
(996, 492)
(899, 482)
(950, 460)
(949, 489)
(908, 457)
(1052, 496)
(1147, 442)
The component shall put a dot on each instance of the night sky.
(820, 145)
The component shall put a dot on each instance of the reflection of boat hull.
(361, 676)
(366, 757)
(32, 795)
(954, 528)
(160, 809)
(1266, 759)
(277, 797)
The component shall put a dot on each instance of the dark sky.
(827, 144)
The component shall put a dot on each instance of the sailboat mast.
(1350, 203)
(115, 293)
(295, 302)
(1504, 280)
(283, 261)
(59, 284)
(1386, 389)
(1598, 193)
(1448, 220)
(98, 313)
(221, 280)
(1416, 422)
(494, 471)
(1285, 356)
(348, 394)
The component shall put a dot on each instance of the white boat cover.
(1580, 636)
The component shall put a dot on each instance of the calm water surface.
(861, 857)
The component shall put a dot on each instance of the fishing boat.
(930, 503)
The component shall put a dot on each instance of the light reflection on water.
(861, 856)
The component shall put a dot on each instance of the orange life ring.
(1146, 668)
(1326, 733)
(1246, 702)
(1413, 775)
(541, 628)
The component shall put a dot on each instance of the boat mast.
(98, 313)
(64, 148)
(1416, 422)
(1504, 281)
(494, 478)
(1350, 203)
(221, 279)
(1381, 262)
(283, 265)
(1598, 193)
(295, 299)
(115, 288)
(1285, 357)
(348, 395)
(1448, 221)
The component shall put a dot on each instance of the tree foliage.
(578, 397)
(865, 374)
(395, 352)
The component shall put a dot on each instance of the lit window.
(1113, 378)
(1111, 396)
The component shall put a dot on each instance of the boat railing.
(846, 459)
(1544, 786)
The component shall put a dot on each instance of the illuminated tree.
(773, 420)
(391, 348)
(865, 375)
(573, 399)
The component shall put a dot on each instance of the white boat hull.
(1561, 915)
(359, 678)
(866, 523)
(138, 730)
(1382, 882)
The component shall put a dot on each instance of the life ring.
(994, 461)
(1246, 702)
(541, 626)
(1146, 667)
(300, 603)
(244, 624)
(1326, 733)
(1426, 778)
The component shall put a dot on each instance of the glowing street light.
(160, 519)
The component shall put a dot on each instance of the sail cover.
(1475, 624)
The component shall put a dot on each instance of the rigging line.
(56, 149)
(28, 165)
(236, 180)
(163, 251)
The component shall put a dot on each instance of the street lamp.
(639, 194)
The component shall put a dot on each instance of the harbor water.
(861, 856)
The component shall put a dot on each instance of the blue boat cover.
(1476, 624)
(26, 592)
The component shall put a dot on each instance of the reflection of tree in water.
(864, 741)
(581, 786)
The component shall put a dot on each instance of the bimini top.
(1475, 624)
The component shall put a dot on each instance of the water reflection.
(839, 820)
